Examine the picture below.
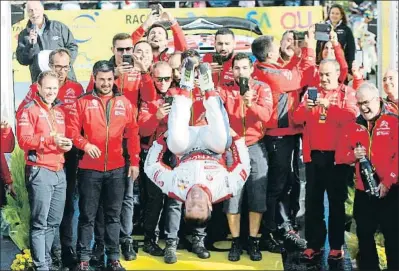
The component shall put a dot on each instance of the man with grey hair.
(376, 129)
(40, 36)
(332, 103)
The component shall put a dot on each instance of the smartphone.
(128, 59)
(243, 82)
(300, 35)
(359, 58)
(217, 59)
(322, 32)
(312, 93)
(156, 8)
(168, 99)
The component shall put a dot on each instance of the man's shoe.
(68, 256)
(115, 266)
(187, 74)
(269, 243)
(97, 257)
(128, 251)
(253, 249)
(152, 248)
(205, 77)
(293, 240)
(199, 247)
(235, 250)
(56, 261)
(310, 255)
(83, 266)
(170, 251)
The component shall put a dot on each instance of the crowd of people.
(199, 130)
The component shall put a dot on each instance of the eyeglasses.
(59, 67)
(166, 79)
(121, 49)
(365, 103)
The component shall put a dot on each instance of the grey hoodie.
(55, 35)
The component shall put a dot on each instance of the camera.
(322, 32)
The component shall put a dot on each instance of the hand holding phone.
(127, 59)
(169, 100)
(312, 94)
(156, 9)
(244, 87)
(217, 58)
(322, 32)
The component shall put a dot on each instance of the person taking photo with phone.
(249, 106)
(221, 60)
(41, 135)
(156, 31)
(322, 108)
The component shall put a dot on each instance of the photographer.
(378, 126)
(249, 105)
(321, 110)
(221, 60)
(41, 135)
(157, 34)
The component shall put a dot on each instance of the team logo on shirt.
(70, 93)
(94, 105)
(384, 125)
(43, 113)
(119, 105)
(23, 121)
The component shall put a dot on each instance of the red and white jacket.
(381, 142)
(36, 126)
(247, 122)
(104, 125)
(178, 39)
(67, 94)
(7, 146)
(286, 85)
(200, 169)
(323, 136)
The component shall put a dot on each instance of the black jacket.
(55, 35)
(347, 41)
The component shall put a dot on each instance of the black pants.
(71, 167)
(154, 201)
(369, 214)
(322, 175)
(106, 188)
(280, 151)
(295, 189)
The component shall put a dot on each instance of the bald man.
(40, 37)
(376, 129)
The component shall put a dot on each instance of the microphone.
(34, 27)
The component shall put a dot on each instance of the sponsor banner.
(94, 29)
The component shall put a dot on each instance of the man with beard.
(248, 113)
(69, 91)
(39, 37)
(41, 135)
(334, 105)
(105, 116)
(221, 60)
(130, 81)
(376, 129)
(175, 61)
(157, 34)
(289, 51)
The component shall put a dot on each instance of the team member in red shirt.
(157, 35)
(40, 133)
(335, 103)
(105, 116)
(286, 86)
(222, 70)
(69, 91)
(377, 131)
(7, 146)
(248, 113)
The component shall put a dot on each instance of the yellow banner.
(94, 29)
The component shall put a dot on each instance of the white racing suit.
(200, 163)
